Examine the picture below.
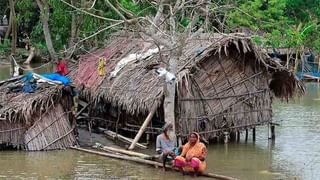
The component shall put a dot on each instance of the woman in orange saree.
(192, 158)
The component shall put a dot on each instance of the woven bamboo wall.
(52, 130)
(224, 92)
(11, 133)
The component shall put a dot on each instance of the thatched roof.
(35, 121)
(137, 88)
(20, 107)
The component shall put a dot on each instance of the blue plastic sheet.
(57, 77)
(52, 76)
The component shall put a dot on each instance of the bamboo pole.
(143, 127)
(246, 135)
(10, 130)
(144, 161)
(238, 136)
(222, 97)
(254, 134)
(121, 151)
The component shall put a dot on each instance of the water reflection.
(298, 136)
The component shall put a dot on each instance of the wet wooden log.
(144, 161)
(143, 128)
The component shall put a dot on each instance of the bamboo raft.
(139, 158)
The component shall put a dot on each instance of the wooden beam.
(143, 127)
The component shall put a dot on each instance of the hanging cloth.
(101, 66)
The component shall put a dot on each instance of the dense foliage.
(282, 23)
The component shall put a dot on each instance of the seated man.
(166, 144)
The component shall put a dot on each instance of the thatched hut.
(224, 83)
(35, 121)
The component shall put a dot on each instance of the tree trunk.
(170, 92)
(6, 36)
(44, 8)
(31, 56)
(13, 21)
(73, 26)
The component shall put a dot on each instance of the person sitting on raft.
(166, 144)
(192, 158)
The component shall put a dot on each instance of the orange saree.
(189, 160)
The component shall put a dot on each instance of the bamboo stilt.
(238, 136)
(273, 136)
(254, 134)
(226, 137)
(246, 139)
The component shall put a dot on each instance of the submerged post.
(143, 127)
(271, 133)
(254, 134)
(246, 135)
(273, 136)
(238, 136)
(226, 137)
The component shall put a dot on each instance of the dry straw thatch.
(29, 119)
(222, 82)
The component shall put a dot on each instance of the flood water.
(295, 153)
(35, 67)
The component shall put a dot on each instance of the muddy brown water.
(295, 152)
